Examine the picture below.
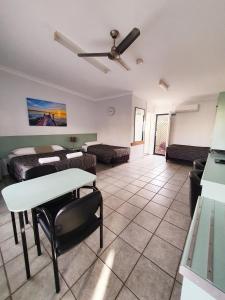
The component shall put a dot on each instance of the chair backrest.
(77, 213)
(195, 188)
(195, 176)
(199, 164)
(40, 171)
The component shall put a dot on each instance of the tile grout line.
(144, 256)
(6, 275)
(148, 212)
(146, 246)
(128, 244)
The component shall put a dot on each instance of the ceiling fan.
(116, 51)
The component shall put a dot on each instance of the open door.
(161, 134)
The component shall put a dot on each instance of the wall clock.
(111, 111)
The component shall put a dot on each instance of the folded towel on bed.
(45, 160)
(74, 154)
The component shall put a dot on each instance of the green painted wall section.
(8, 143)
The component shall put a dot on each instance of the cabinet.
(203, 260)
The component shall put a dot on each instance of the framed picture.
(46, 113)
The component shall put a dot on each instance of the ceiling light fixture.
(66, 42)
(163, 85)
(139, 61)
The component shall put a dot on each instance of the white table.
(29, 194)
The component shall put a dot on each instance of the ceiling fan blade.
(122, 63)
(70, 45)
(127, 41)
(93, 54)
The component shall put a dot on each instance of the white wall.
(194, 128)
(13, 110)
(116, 129)
(83, 116)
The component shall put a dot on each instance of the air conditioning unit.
(187, 108)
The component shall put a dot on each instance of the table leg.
(14, 227)
(24, 242)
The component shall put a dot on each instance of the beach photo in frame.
(46, 113)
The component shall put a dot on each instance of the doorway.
(161, 134)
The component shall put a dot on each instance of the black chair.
(65, 199)
(67, 225)
(30, 174)
(40, 171)
(195, 188)
(199, 164)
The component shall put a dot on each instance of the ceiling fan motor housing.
(114, 33)
(116, 51)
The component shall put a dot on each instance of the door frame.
(156, 119)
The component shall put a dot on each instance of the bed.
(186, 153)
(109, 154)
(19, 164)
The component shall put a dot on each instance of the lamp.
(164, 85)
(73, 140)
(139, 61)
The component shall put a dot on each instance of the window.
(139, 116)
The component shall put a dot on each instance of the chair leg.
(78, 193)
(55, 269)
(101, 224)
(101, 236)
(14, 227)
(36, 232)
(26, 217)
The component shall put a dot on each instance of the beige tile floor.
(146, 219)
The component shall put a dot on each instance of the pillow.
(92, 143)
(24, 151)
(46, 160)
(74, 154)
(57, 147)
(43, 149)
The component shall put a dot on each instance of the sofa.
(186, 153)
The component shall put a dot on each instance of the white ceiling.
(181, 41)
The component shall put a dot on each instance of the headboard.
(8, 143)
